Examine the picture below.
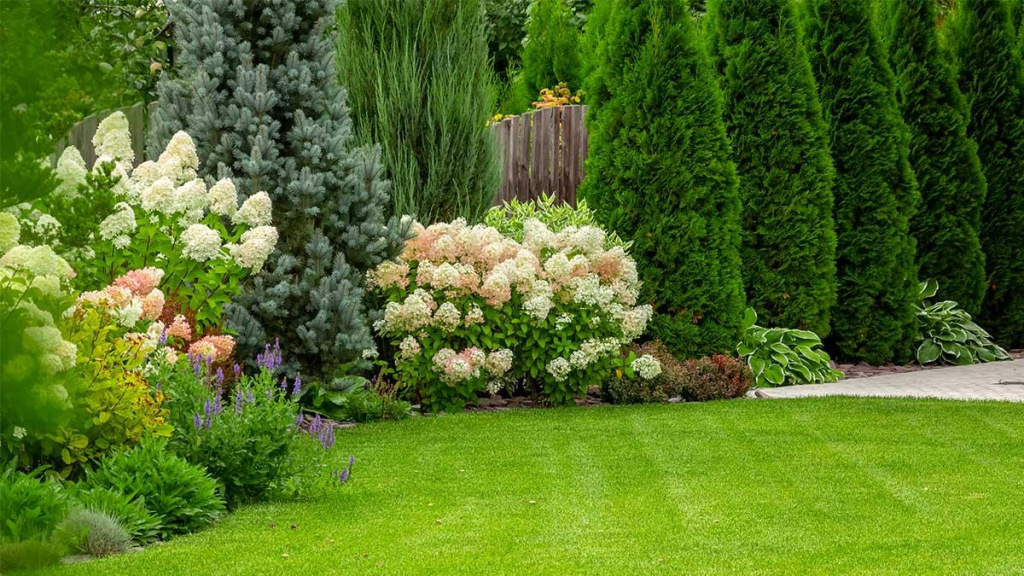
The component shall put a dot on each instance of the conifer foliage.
(875, 190)
(992, 79)
(779, 145)
(255, 87)
(945, 160)
(659, 173)
(551, 53)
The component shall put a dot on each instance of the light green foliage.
(550, 54)
(420, 84)
(784, 356)
(140, 524)
(949, 336)
(510, 217)
(517, 483)
(659, 172)
(357, 400)
(92, 532)
(181, 495)
(27, 555)
(992, 80)
(30, 508)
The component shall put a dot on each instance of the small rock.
(676, 400)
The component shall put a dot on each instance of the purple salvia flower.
(351, 461)
(315, 427)
(239, 401)
(277, 352)
(196, 366)
(270, 393)
(238, 371)
(284, 385)
(216, 404)
(207, 409)
(209, 361)
(220, 377)
(197, 422)
(250, 396)
(298, 419)
(344, 476)
(163, 337)
(298, 385)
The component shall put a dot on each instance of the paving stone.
(1002, 381)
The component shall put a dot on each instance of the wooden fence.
(542, 153)
(81, 134)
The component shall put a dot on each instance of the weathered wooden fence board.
(543, 152)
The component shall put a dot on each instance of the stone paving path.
(992, 381)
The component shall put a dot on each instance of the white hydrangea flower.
(589, 239)
(159, 196)
(71, 172)
(447, 317)
(255, 211)
(408, 348)
(223, 198)
(179, 161)
(499, 362)
(113, 139)
(190, 201)
(201, 243)
(646, 366)
(559, 369)
(39, 260)
(119, 225)
(257, 245)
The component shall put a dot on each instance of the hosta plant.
(949, 336)
(510, 217)
(166, 216)
(470, 309)
(784, 356)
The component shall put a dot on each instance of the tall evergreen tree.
(945, 161)
(992, 79)
(659, 173)
(875, 190)
(420, 83)
(255, 87)
(778, 142)
(551, 52)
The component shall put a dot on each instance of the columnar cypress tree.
(551, 53)
(945, 160)
(255, 87)
(778, 142)
(992, 79)
(420, 83)
(875, 190)
(659, 173)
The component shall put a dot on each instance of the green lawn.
(788, 486)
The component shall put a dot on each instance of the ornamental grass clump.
(470, 309)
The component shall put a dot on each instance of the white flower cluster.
(646, 366)
(201, 242)
(119, 226)
(113, 140)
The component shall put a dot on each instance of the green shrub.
(420, 84)
(471, 310)
(550, 51)
(783, 356)
(717, 377)
(30, 508)
(875, 189)
(506, 28)
(782, 157)
(28, 555)
(992, 80)
(659, 173)
(367, 405)
(180, 494)
(510, 217)
(944, 159)
(140, 524)
(949, 336)
(92, 532)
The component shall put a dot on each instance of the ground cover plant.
(837, 485)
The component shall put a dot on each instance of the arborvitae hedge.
(945, 160)
(551, 53)
(659, 173)
(875, 191)
(992, 79)
(778, 142)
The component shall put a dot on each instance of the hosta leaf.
(756, 366)
(774, 374)
(781, 359)
(928, 352)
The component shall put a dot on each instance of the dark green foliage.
(30, 508)
(506, 28)
(659, 173)
(944, 159)
(180, 494)
(255, 87)
(992, 79)
(420, 84)
(875, 190)
(551, 53)
(779, 145)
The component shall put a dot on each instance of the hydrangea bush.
(470, 309)
(166, 216)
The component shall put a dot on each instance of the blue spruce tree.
(255, 87)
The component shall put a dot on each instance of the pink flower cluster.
(454, 367)
(130, 298)
(219, 347)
